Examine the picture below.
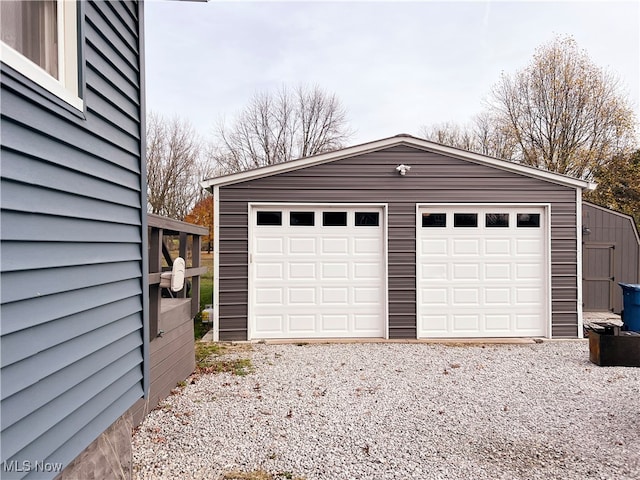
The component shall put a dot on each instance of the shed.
(611, 254)
(397, 238)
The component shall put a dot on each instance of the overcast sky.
(396, 66)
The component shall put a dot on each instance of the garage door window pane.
(497, 220)
(303, 219)
(269, 218)
(367, 219)
(465, 219)
(529, 220)
(434, 219)
(334, 219)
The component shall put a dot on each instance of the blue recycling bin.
(631, 306)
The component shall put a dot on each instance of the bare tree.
(483, 136)
(451, 134)
(174, 166)
(491, 139)
(276, 128)
(563, 113)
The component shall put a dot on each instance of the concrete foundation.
(107, 458)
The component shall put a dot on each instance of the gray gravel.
(402, 411)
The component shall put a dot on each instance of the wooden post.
(182, 251)
(196, 245)
(155, 266)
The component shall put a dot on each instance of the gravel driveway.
(402, 411)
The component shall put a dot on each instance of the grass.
(258, 475)
(208, 359)
(206, 295)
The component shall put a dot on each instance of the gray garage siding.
(618, 230)
(371, 177)
(73, 218)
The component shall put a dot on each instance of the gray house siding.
(611, 250)
(371, 177)
(73, 248)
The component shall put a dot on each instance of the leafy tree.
(564, 113)
(202, 214)
(276, 128)
(175, 165)
(619, 185)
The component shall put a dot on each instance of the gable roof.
(398, 140)
(629, 218)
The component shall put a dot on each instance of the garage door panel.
(497, 296)
(466, 296)
(363, 295)
(334, 296)
(434, 323)
(269, 296)
(337, 323)
(367, 271)
(466, 323)
(302, 246)
(335, 270)
(270, 271)
(366, 246)
(526, 246)
(435, 246)
(487, 280)
(302, 296)
(364, 323)
(529, 296)
(301, 271)
(497, 246)
(496, 323)
(435, 296)
(270, 324)
(465, 246)
(301, 324)
(466, 271)
(526, 321)
(497, 271)
(525, 271)
(333, 246)
(267, 244)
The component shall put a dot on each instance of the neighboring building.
(74, 235)
(611, 255)
(354, 244)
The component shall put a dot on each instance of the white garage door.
(317, 272)
(482, 271)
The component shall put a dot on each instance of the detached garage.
(398, 238)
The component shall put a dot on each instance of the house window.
(465, 219)
(269, 218)
(334, 219)
(40, 40)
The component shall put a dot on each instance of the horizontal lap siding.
(608, 227)
(372, 178)
(72, 281)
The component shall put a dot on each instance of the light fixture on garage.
(402, 169)
(586, 231)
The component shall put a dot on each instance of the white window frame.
(67, 86)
